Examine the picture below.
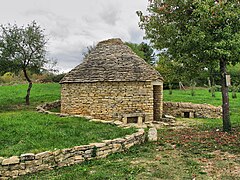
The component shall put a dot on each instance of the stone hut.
(113, 83)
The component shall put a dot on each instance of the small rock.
(152, 134)
(118, 123)
(169, 116)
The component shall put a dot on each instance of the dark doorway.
(132, 119)
(186, 114)
(157, 102)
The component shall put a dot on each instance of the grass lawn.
(23, 130)
(200, 150)
(203, 96)
(12, 98)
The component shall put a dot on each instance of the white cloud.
(73, 25)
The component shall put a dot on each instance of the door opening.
(156, 102)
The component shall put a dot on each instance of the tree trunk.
(29, 87)
(225, 99)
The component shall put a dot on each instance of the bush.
(7, 77)
(57, 78)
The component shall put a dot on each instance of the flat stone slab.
(27, 156)
(11, 160)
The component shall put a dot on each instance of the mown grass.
(179, 154)
(12, 98)
(203, 96)
(140, 162)
(24, 130)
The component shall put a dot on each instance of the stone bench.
(138, 117)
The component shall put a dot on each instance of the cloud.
(110, 14)
(73, 25)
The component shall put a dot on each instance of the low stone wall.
(15, 166)
(189, 110)
(49, 106)
(30, 163)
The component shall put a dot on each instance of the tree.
(24, 46)
(144, 51)
(197, 32)
(7, 66)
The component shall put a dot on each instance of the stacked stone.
(112, 61)
(110, 82)
(49, 106)
(178, 109)
(108, 100)
(29, 163)
(157, 104)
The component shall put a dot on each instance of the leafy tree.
(7, 66)
(234, 72)
(197, 32)
(24, 46)
(144, 51)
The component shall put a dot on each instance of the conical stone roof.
(112, 60)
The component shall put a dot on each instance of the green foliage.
(197, 33)
(24, 46)
(234, 72)
(144, 51)
(8, 66)
(57, 78)
(234, 88)
(7, 77)
(194, 32)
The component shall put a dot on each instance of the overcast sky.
(72, 25)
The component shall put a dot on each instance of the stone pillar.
(191, 114)
(140, 120)
(124, 119)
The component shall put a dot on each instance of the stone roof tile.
(112, 60)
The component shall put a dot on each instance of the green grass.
(179, 153)
(203, 96)
(140, 162)
(12, 98)
(24, 130)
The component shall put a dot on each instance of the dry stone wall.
(108, 100)
(27, 163)
(189, 110)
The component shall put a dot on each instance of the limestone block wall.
(189, 110)
(15, 166)
(108, 100)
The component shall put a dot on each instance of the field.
(203, 96)
(24, 130)
(199, 150)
